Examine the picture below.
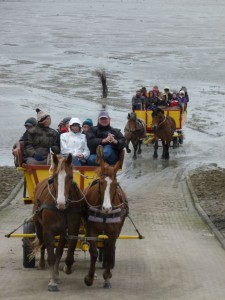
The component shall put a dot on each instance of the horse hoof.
(107, 285)
(87, 281)
(67, 270)
(139, 151)
(128, 151)
(53, 287)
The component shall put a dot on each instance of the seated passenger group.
(72, 136)
(144, 100)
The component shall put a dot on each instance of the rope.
(85, 176)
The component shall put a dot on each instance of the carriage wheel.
(104, 255)
(28, 227)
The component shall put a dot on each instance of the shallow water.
(51, 50)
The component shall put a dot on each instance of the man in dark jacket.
(110, 138)
(41, 139)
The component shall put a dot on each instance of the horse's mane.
(56, 168)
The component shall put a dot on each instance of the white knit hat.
(41, 115)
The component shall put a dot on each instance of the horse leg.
(156, 145)
(167, 155)
(58, 255)
(110, 257)
(139, 146)
(89, 278)
(72, 243)
(49, 242)
(164, 150)
(127, 146)
(39, 233)
(135, 146)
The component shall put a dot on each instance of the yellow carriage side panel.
(141, 114)
(176, 115)
(149, 119)
(33, 174)
(184, 118)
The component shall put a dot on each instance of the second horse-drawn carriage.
(150, 126)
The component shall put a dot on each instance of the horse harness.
(95, 213)
(53, 207)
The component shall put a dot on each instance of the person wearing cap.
(29, 123)
(74, 142)
(86, 125)
(109, 137)
(64, 125)
(41, 140)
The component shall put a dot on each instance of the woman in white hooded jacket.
(74, 142)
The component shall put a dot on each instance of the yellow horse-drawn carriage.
(176, 113)
(33, 174)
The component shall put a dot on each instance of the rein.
(161, 122)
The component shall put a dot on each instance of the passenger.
(168, 93)
(156, 91)
(64, 125)
(18, 147)
(162, 101)
(144, 92)
(183, 88)
(151, 100)
(41, 140)
(110, 138)
(174, 102)
(74, 142)
(138, 100)
(183, 100)
(29, 123)
(86, 125)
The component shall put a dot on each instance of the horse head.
(132, 121)
(62, 179)
(158, 118)
(108, 185)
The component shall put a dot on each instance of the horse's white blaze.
(61, 201)
(106, 206)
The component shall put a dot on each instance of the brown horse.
(164, 128)
(108, 208)
(57, 210)
(134, 132)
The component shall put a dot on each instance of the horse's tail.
(36, 246)
(102, 76)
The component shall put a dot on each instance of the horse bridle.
(159, 124)
(68, 200)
